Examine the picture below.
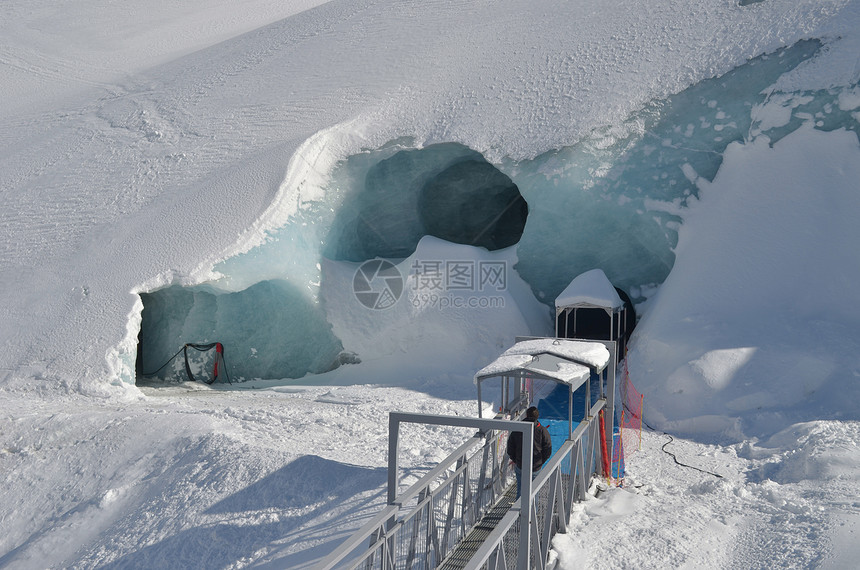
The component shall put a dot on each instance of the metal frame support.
(609, 417)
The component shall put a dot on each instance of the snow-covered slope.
(143, 146)
(759, 332)
(158, 175)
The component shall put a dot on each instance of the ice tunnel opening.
(257, 328)
(445, 190)
(265, 310)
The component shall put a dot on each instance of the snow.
(504, 363)
(429, 326)
(761, 333)
(169, 143)
(592, 354)
(591, 288)
(548, 365)
(755, 515)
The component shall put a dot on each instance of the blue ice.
(614, 201)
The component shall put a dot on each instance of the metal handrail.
(361, 535)
(493, 546)
(437, 471)
(384, 529)
(495, 538)
(443, 505)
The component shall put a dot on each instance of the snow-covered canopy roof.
(592, 354)
(546, 366)
(591, 288)
(567, 361)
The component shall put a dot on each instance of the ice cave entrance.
(614, 199)
(446, 190)
(270, 330)
(263, 313)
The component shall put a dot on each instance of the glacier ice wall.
(444, 190)
(613, 200)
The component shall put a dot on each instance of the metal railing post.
(482, 477)
(523, 555)
(609, 415)
(393, 445)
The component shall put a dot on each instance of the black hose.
(671, 439)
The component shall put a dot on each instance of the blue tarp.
(554, 406)
(557, 432)
(553, 414)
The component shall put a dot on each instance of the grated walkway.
(467, 548)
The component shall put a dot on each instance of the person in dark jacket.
(542, 449)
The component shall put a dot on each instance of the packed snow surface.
(704, 155)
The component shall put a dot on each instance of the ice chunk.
(456, 304)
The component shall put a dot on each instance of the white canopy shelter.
(591, 308)
(590, 289)
(546, 366)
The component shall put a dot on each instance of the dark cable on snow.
(671, 439)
